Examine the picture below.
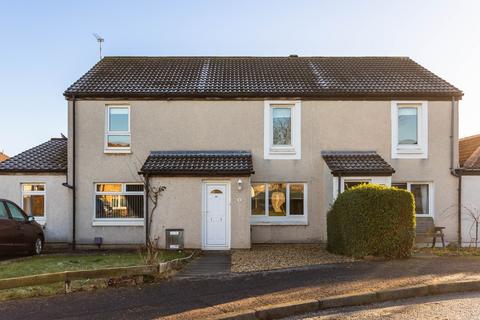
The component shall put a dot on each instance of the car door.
(7, 230)
(23, 233)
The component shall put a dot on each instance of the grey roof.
(229, 77)
(50, 156)
(199, 163)
(356, 163)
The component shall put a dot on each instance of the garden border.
(68, 276)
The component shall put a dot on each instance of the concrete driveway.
(198, 298)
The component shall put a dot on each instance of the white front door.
(216, 227)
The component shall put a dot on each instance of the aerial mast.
(100, 40)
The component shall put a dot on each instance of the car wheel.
(37, 246)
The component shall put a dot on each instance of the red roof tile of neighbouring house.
(230, 77)
(50, 156)
(467, 146)
(3, 156)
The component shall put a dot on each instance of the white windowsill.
(117, 151)
(275, 222)
(118, 222)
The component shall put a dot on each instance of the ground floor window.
(348, 184)
(119, 202)
(422, 194)
(33, 200)
(278, 201)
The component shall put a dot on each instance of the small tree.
(474, 214)
(154, 192)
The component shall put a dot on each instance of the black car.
(18, 231)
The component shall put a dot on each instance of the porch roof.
(199, 163)
(357, 163)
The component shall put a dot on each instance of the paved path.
(210, 263)
(459, 306)
(200, 297)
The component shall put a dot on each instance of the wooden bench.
(426, 231)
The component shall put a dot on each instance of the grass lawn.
(49, 263)
(68, 262)
(451, 252)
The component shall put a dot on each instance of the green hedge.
(372, 220)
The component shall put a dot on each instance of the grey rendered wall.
(471, 204)
(180, 206)
(58, 213)
(227, 125)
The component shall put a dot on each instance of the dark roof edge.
(380, 96)
(365, 173)
(468, 172)
(182, 173)
(26, 171)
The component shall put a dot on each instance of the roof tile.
(357, 163)
(199, 163)
(50, 156)
(259, 77)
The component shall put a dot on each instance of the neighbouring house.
(252, 149)
(3, 156)
(33, 179)
(469, 150)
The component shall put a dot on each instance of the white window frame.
(431, 197)
(108, 133)
(413, 151)
(293, 151)
(40, 220)
(380, 180)
(281, 220)
(105, 222)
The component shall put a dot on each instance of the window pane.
(33, 187)
(3, 211)
(258, 199)
(420, 194)
(296, 199)
(282, 123)
(118, 141)
(400, 185)
(134, 188)
(118, 206)
(350, 184)
(407, 126)
(34, 205)
(17, 215)
(118, 119)
(277, 202)
(109, 187)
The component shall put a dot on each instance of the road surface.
(452, 306)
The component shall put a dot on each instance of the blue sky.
(46, 45)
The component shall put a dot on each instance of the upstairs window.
(33, 200)
(409, 129)
(282, 130)
(118, 137)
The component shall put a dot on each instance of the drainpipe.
(74, 189)
(339, 185)
(459, 230)
(147, 186)
(456, 173)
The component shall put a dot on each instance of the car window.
(3, 211)
(17, 215)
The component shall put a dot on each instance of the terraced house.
(250, 149)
